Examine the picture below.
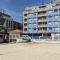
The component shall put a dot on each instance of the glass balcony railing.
(53, 13)
(53, 25)
(53, 19)
(53, 31)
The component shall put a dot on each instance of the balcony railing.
(42, 25)
(41, 15)
(42, 20)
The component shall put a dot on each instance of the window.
(25, 29)
(10, 36)
(50, 28)
(39, 23)
(56, 29)
(17, 35)
(39, 28)
(44, 22)
(50, 11)
(42, 6)
(31, 15)
(49, 16)
(49, 23)
(25, 14)
(57, 4)
(56, 22)
(25, 24)
(42, 12)
(39, 17)
(44, 17)
(56, 16)
(13, 36)
(25, 19)
(55, 10)
(34, 28)
(44, 28)
(39, 12)
(59, 9)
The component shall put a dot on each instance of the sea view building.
(43, 20)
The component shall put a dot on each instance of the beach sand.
(30, 51)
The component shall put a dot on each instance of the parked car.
(26, 38)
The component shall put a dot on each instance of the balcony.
(25, 31)
(42, 20)
(53, 31)
(39, 31)
(25, 17)
(25, 26)
(29, 11)
(53, 19)
(41, 15)
(32, 31)
(42, 9)
(53, 13)
(25, 12)
(56, 7)
(53, 25)
(44, 31)
(25, 21)
(42, 25)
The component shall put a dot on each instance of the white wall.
(14, 36)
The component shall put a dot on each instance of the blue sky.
(16, 7)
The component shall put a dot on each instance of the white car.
(26, 38)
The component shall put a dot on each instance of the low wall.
(45, 41)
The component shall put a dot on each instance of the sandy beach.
(30, 51)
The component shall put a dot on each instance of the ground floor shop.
(52, 36)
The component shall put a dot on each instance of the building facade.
(6, 21)
(7, 24)
(43, 20)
